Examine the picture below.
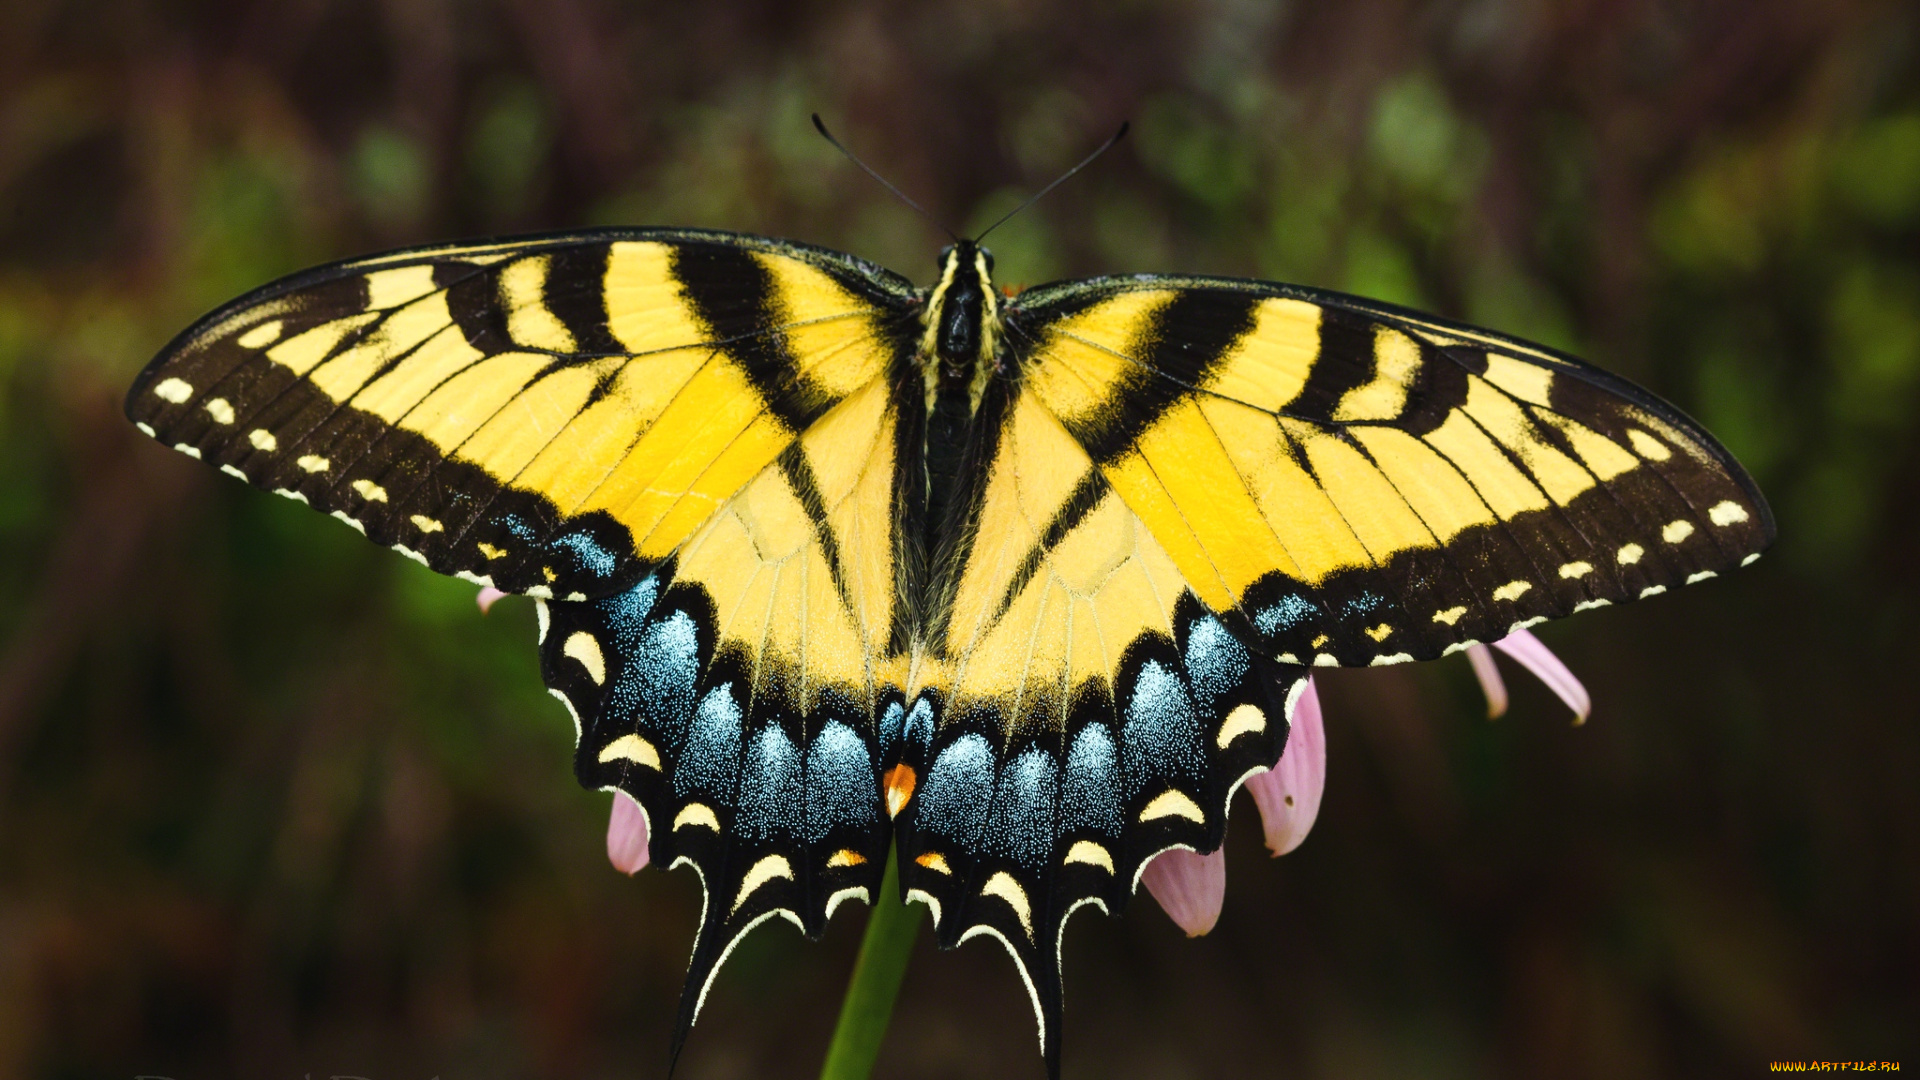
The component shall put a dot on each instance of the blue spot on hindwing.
(919, 729)
(1021, 826)
(660, 674)
(625, 614)
(710, 762)
(840, 781)
(1161, 738)
(953, 801)
(1216, 662)
(771, 802)
(890, 720)
(1090, 798)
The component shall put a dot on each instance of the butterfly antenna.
(821, 127)
(1064, 177)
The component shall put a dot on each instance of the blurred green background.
(275, 802)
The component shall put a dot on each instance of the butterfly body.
(1023, 587)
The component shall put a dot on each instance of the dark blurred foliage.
(275, 802)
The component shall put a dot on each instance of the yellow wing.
(733, 690)
(1361, 485)
(1079, 709)
(549, 416)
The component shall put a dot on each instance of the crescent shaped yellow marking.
(1089, 853)
(631, 748)
(696, 814)
(1003, 886)
(1244, 719)
(1173, 803)
(583, 648)
(771, 868)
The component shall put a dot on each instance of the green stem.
(877, 974)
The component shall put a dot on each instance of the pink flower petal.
(1535, 657)
(1288, 795)
(627, 835)
(488, 594)
(1488, 673)
(1190, 887)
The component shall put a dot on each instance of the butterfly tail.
(708, 953)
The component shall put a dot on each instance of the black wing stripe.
(1179, 345)
(573, 292)
(473, 301)
(735, 295)
(1086, 495)
(1344, 362)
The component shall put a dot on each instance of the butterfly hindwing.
(550, 415)
(1362, 485)
(1080, 712)
(734, 690)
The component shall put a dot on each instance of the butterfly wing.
(1079, 710)
(1197, 490)
(686, 441)
(734, 691)
(1359, 485)
(550, 415)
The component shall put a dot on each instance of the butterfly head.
(964, 251)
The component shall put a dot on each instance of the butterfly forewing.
(549, 416)
(1358, 485)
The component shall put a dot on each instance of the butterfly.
(1022, 586)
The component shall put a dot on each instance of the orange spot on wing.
(899, 788)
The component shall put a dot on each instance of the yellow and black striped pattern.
(1366, 486)
(547, 417)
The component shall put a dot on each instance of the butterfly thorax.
(958, 358)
